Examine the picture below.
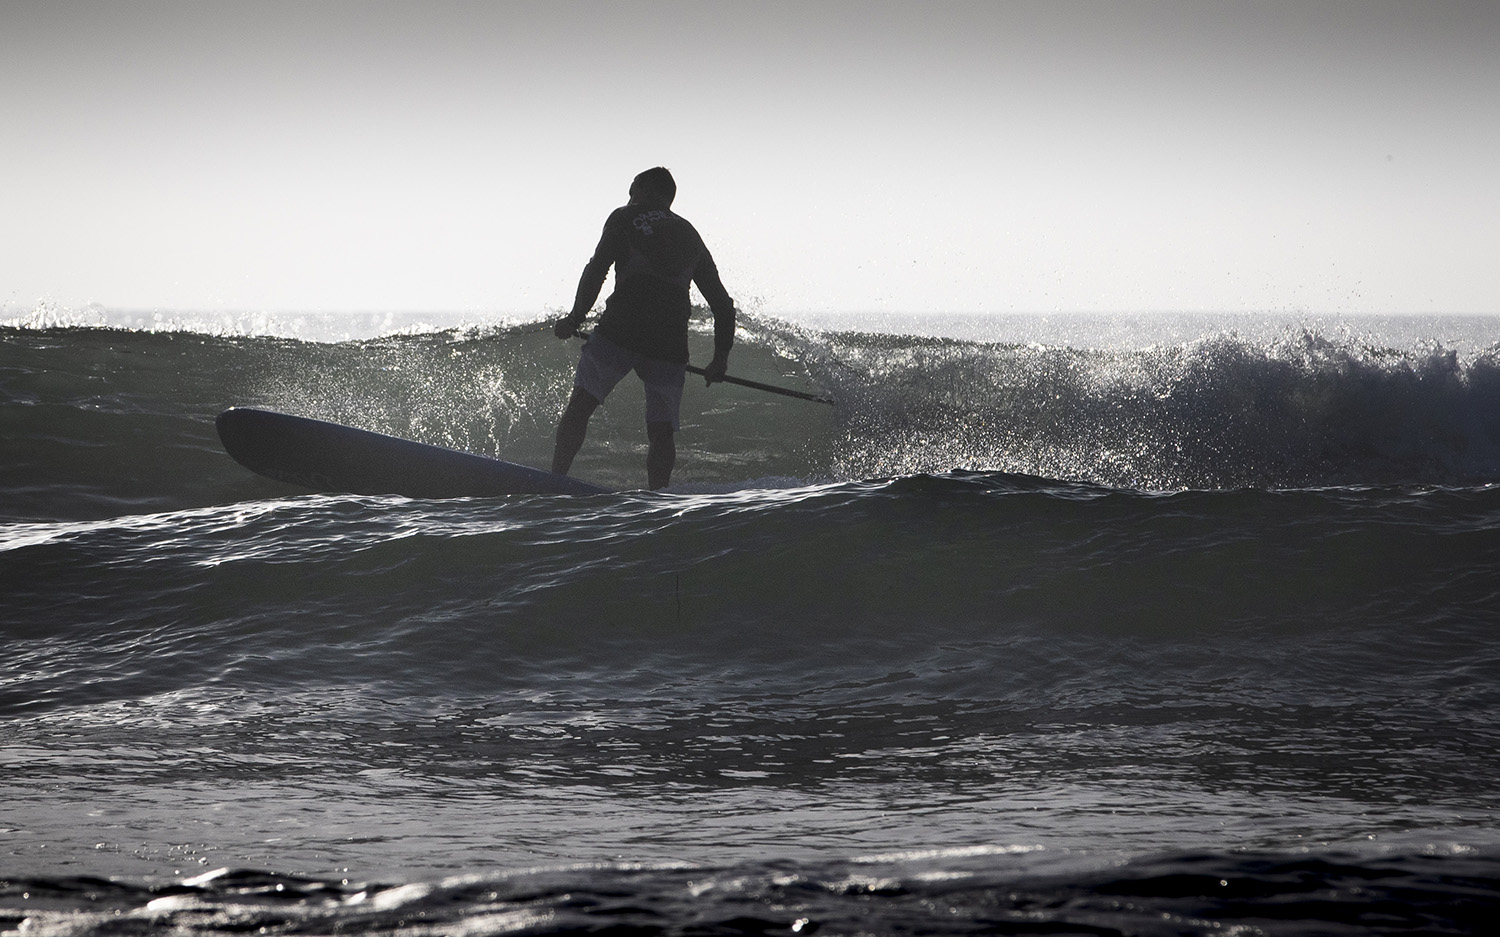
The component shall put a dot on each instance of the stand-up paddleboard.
(331, 457)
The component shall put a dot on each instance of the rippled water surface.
(1019, 637)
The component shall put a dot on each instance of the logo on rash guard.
(642, 222)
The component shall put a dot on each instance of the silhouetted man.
(657, 255)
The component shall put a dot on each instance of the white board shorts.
(603, 364)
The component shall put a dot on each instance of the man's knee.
(581, 406)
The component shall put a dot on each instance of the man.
(656, 255)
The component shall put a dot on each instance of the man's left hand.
(715, 370)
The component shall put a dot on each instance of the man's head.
(654, 187)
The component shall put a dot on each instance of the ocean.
(1051, 625)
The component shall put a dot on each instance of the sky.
(1334, 157)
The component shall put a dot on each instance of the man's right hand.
(566, 327)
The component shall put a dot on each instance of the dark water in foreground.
(1237, 672)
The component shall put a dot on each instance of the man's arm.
(712, 288)
(589, 285)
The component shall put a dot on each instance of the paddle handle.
(743, 382)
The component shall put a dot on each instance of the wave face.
(1173, 639)
(103, 420)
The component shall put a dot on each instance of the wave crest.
(1301, 410)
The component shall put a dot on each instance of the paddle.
(743, 382)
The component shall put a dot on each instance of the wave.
(1302, 410)
(104, 420)
(980, 585)
(979, 891)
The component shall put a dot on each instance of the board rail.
(332, 457)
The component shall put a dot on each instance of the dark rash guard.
(657, 255)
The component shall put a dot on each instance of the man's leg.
(663, 380)
(661, 456)
(572, 428)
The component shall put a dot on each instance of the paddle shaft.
(743, 382)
